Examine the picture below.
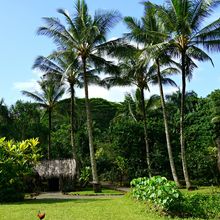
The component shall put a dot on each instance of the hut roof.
(56, 168)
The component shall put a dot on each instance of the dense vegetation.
(119, 137)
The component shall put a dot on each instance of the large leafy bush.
(158, 190)
(165, 195)
(16, 161)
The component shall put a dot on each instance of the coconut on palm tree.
(51, 93)
(86, 35)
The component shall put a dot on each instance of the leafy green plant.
(158, 190)
(200, 206)
(16, 161)
(85, 176)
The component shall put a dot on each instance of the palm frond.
(198, 54)
(153, 102)
(36, 96)
(105, 20)
(102, 64)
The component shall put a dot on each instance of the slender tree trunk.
(96, 184)
(49, 134)
(145, 132)
(218, 146)
(169, 148)
(73, 145)
(182, 117)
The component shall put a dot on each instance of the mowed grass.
(89, 209)
(123, 208)
(205, 190)
(106, 208)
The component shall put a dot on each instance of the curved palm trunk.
(169, 148)
(182, 116)
(49, 134)
(73, 145)
(145, 132)
(96, 184)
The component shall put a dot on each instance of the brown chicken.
(41, 215)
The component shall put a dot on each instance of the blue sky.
(20, 45)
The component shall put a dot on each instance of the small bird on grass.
(41, 215)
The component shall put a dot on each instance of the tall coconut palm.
(51, 93)
(136, 71)
(151, 34)
(140, 71)
(187, 35)
(86, 35)
(65, 67)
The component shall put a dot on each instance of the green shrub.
(200, 206)
(158, 190)
(16, 161)
(165, 195)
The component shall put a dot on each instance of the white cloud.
(114, 94)
(30, 85)
(155, 90)
(37, 73)
(117, 94)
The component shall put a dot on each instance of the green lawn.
(206, 190)
(88, 209)
(80, 209)
(106, 208)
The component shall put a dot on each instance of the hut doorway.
(53, 184)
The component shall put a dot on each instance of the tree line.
(119, 135)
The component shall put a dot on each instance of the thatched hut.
(57, 174)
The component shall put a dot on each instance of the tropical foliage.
(17, 160)
(157, 189)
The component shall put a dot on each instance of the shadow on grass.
(51, 201)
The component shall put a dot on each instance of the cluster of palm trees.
(166, 40)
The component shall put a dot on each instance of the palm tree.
(64, 67)
(51, 93)
(132, 106)
(187, 35)
(138, 70)
(86, 35)
(151, 34)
